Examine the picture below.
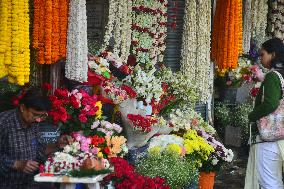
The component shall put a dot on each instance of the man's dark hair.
(35, 99)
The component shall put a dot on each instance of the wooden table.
(70, 182)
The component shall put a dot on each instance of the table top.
(67, 179)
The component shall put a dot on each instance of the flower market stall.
(131, 121)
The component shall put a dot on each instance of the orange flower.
(227, 34)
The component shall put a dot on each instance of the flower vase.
(135, 138)
(206, 180)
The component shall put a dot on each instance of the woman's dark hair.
(35, 99)
(276, 46)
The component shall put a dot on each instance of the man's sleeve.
(6, 162)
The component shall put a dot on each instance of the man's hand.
(26, 166)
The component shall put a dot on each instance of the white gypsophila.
(76, 67)
(163, 141)
(247, 26)
(259, 18)
(196, 42)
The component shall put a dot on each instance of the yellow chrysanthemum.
(174, 148)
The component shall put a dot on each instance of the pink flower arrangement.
(73, 110)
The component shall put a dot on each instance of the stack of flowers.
(145, 83)
(219, 156)
(117, 92)
(100, 66)
(89, 151)
(73, 111)
(187, 118)
(244, 73)
(142, 123)
(125, 176)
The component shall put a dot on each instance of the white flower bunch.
(145, 83)
(163, 141)
(100, 65)
(188, 118)
(106, 127)
(72, 148)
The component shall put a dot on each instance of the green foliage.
(236, 116)
(177, 171)
(93, 47)
(7, 92)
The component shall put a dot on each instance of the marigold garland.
(227, 34)
(50, 30)
(14, 42)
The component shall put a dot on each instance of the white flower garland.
(118, 29)
(259, 18)
(247, 26)
(276, 19)
(76, 67)
(196, 45)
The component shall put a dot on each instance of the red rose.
(61, 93)
(47, 86)
(74, 102)
(106, 150)
(83, 118)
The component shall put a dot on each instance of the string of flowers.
(76, 67)
(50, 30)
(14, 43)
(276, 18)
(4, 6)
(259, 19)
(149, 30)
(196, 45)
(247, 26)
(227, 34)
(119, 28)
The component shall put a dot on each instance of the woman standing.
(268, 155)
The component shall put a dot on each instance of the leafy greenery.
(177, 171)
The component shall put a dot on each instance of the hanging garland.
(50, 30)
(119, 28)
(149, 25)
(14, 42)
(276, 18)
(196, 44)
(227, 34)
(259, 19)
(247, 26)
(76, 67)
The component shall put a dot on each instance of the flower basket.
(135, 138)
(206, 180)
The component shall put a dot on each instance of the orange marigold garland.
(63, 14)
(50, 30)
(227, 34)
(36, 23)
(55, 32)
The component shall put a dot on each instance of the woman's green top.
(264, 105)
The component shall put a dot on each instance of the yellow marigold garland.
(227, 34)
(14, 42)
(4, 39)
